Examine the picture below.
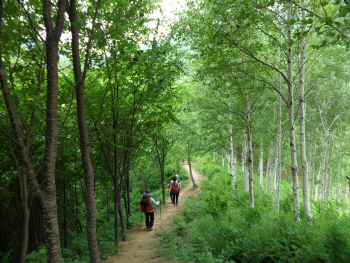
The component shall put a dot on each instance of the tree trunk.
(232, 158)
(48, 195)
(279, 149)
(243, 158)
(108, 210)
(26, 215)
(83, 134)
(323, 166)
(122, 221)
(65, 232)
(329, 170)
(128, 211)
(116, 212)
(261, 167)
(293, 151)
(190, 166)
(250, 154)
(313, 167)
(339, 162)
(223, 159)
(268, 168)
(302, 104)
(317, 185)
(161, 163)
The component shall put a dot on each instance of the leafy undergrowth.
(220, 227)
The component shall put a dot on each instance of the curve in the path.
(141, 247)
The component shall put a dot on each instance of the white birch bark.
(268, 167)
(302, 104)
(261, 167)
(313, 166)
(245, 157)
(293, 152)
(232, 158)
(228, 158)
(339, 161)
(223, 159)
(244, 152)
(279, 142)
(274, 181)
(324, 152)
(345, 185)
(329, 170)
(250, 153)
(317, 185)
(346, 188)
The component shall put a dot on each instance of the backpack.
(175, 188)
(145, 204)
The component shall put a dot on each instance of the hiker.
(178, 179)
(171, 197)
(174, 191)
(147, 205)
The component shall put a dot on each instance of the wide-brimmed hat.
(148, 192)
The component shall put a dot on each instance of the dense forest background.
(102, 100)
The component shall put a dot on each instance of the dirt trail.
(141, 247)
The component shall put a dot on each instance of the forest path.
(141, 247)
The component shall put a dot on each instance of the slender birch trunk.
(293, 151)
(267, 168)
(232, 161)
(190, 168)
(329, 170)
(302, 104)
(250, 153)
(261, 167)
(313, 166)
(346, 189)
(279, 149)
(245, 168)
(339, 162)
(244, 151)
(272, 169)
(323, 166)
(317, 185)
(223, 159)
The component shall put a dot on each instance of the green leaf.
(78, 23)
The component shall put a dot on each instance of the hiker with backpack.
(178, 179)
(147, 205)
(174, 191)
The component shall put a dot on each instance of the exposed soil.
(141, 244)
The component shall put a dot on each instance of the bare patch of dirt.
(141, 247)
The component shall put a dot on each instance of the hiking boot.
(150, 229)
(176, 204)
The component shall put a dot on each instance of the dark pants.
(149, 219)
(174, 198)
